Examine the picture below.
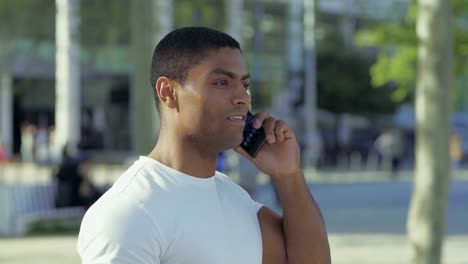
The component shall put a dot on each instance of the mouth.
(237, 118)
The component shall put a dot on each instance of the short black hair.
(183, 48)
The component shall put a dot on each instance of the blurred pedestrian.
(68, 179)
(28, 134)
(74, 187)
(3, 155)
(456, 150)
(55, 153)
(222, 163)
(101, 124)
(390, 146)
(88, 192)
(41, 144)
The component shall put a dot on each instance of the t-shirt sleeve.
(256, 206)
(120, 233)
(253, 205)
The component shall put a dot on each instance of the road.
(375, 207)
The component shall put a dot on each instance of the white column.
(295, 60)
(67, 73)
(311, 136)
(163, 22)
(6, 112)
(294, 40)
(234, 19)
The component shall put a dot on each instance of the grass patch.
(54, 227)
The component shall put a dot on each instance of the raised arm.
(300, 235)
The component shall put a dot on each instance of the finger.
(288, 134)
(259, 118)
(280, 128)
(269, 127)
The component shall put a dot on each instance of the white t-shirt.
(155, 214)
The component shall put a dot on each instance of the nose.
(241, 96)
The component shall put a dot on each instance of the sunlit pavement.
(346, 249)
(366, 222)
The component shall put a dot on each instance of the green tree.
(199, 13)
(344, 84)
(100, 30)
(397, 42)
(343, 76)
(150, 21)
(20, 19)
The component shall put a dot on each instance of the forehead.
(225, 58)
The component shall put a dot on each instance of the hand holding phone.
(253, 139)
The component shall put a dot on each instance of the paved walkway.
(366, 221)
(346, 249)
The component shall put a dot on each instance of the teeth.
(235, 118)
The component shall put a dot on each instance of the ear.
(166, 92)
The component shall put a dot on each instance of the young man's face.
(215, 100)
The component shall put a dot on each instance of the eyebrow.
(228, 73)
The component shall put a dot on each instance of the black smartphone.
(253, 138)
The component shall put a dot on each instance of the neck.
(185, 154)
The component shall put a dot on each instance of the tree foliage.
(344, 86)
(343, 78)
(21, 19)
(104, 22)
(397, 42)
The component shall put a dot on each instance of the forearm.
(303, 226)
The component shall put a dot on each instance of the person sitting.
(73, 185)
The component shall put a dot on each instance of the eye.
(246, 85)
(221, 82)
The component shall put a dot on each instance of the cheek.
(210, 119)
(199, 117)
(205, 111)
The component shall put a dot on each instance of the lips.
(236, 118)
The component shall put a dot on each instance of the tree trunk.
(67, 73)
(426, 222)
(150, 21)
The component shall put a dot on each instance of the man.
(172, 206)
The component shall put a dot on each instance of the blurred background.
(75, 76)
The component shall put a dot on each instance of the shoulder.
(221, 177)
(116, 226)
(135, 199)
(129, 219)
(230, 188)
(226, 182)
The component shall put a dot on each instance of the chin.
(238, 140)
(233, 142)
